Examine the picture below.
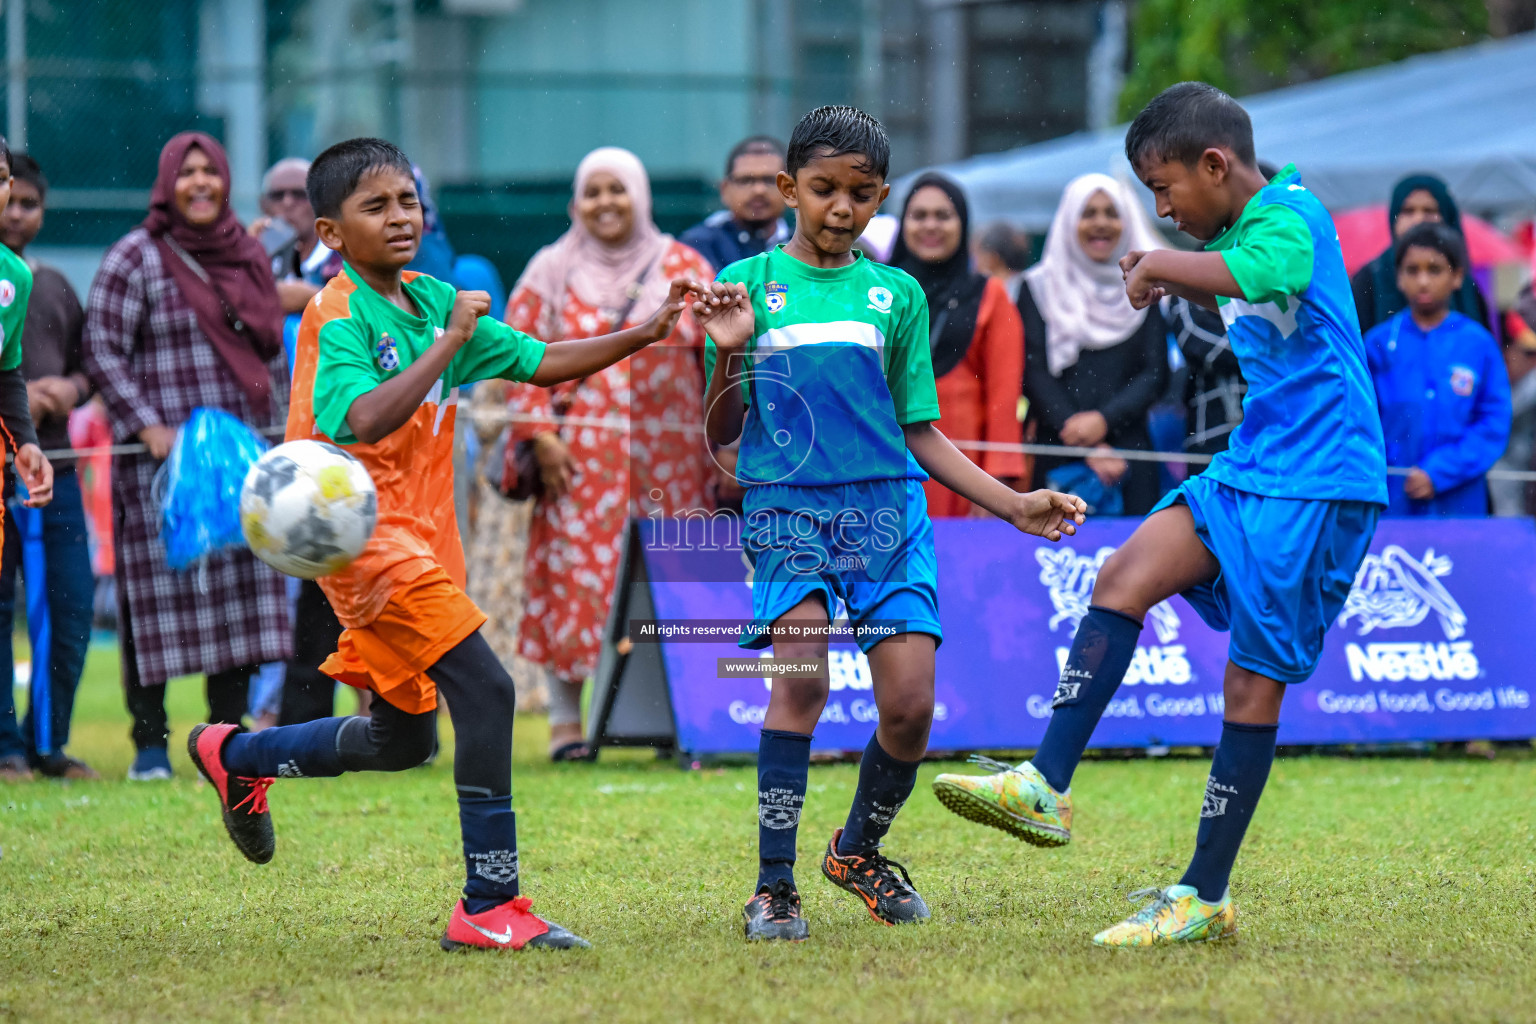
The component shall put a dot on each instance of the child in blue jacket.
(1440, 383)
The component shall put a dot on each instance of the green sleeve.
(344, 372)
(909, 366)
(1273, 260)
(495, 352)
(14, 315)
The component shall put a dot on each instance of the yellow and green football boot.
(1017, 800)
(1176, 914)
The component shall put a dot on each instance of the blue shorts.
(867, 544)
(1286, 567)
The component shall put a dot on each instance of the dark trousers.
(308, 693)
(227, 692)
(71, 588)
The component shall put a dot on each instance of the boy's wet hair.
(1184, 121)
(24, 168)
(756, 145)
(5, 152)
(1436, 235)
(335, 173)
(838, 131)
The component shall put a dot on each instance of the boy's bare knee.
(1119, 587)
(908, 717)
(801, 696)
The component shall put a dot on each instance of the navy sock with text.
(1239, 770)
(306, 751)
(1101, 652)
(783, 767)
(884, 785)
(488, 826)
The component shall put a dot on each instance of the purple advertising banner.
(1433, 644)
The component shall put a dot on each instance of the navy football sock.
(1238, 773)
(1101, 652)
(489, 829)
(286, 751)
(884, 785)
(783, 766)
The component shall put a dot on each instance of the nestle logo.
(1419, 662)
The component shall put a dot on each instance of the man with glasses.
(753, 219)
(287, 231)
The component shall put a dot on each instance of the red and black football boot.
(888, 896)
(774, 914)
(510, 925)
(242, 800)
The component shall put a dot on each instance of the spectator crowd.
(193, 309)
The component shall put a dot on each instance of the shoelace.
(992, 765)
(880, 866)
(781, 905)
(1147, 913)
(257, 797)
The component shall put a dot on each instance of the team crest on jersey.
(1463, 380)
(7, 293)
(777, 295)
(880, 299)
(386, 355)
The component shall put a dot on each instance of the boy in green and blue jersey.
(818, 360)
(1267, 541)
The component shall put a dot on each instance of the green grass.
(1382, 889)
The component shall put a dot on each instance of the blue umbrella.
(34, 571)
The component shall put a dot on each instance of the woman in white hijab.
(1093, 365)
(604, 273)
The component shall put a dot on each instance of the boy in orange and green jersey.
(381, 354)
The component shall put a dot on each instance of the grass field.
(1376, 889)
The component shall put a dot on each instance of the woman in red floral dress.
(607, 270)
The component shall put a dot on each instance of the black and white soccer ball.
(308, 508)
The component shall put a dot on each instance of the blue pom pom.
(200, 510)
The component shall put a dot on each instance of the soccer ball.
(308, 508)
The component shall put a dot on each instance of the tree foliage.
(1247, 46)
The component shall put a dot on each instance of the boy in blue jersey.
(1440, 383)
(1266, 542)
(818, 360)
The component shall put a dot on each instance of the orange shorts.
(421, 622)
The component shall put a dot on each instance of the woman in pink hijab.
(606, 271)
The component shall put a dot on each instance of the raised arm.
(1196, 276)
(1047, 514)
(578, 358)
(386, 407)
(725, 313)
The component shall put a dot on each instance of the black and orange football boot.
(887, 895)
(774, 914)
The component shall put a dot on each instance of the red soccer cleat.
(242, 800)
(510, 925)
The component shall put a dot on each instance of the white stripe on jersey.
(1283, 321)
(847, 332)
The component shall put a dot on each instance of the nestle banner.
(1433, 643)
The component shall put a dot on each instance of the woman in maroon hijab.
(184, 314)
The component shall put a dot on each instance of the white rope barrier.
(496, 419)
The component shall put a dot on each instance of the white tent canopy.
(1468, 115)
